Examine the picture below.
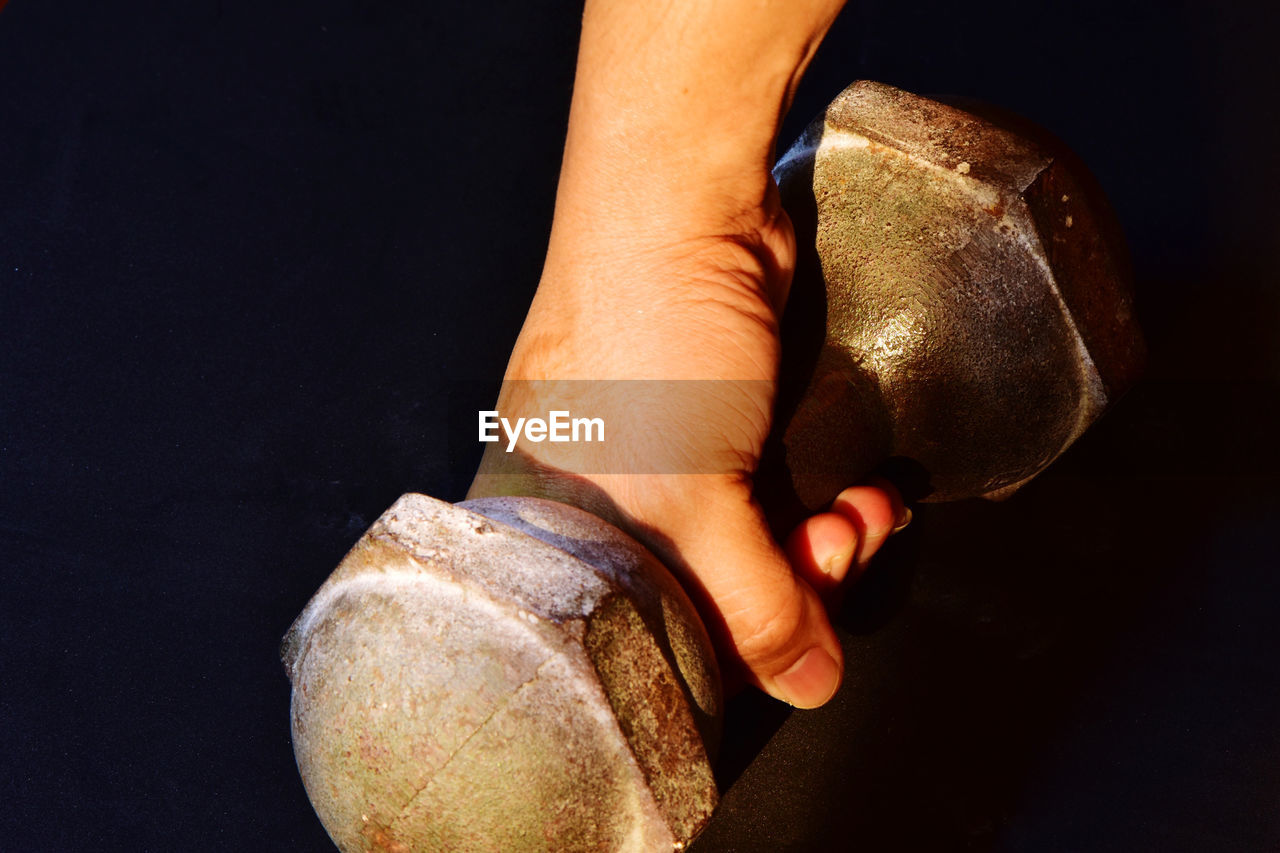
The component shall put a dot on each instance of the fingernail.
(837, 566)
(904, 518)
(810, 681)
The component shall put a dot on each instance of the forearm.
(678, 103)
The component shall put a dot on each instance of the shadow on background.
(1082, 667)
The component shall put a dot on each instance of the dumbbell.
(517, 674)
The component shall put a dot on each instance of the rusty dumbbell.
(516, 674)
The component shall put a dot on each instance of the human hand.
(668, 268)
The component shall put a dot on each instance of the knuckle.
(767, 633)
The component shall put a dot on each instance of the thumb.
(765, 619)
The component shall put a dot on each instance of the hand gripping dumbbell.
(516, 674)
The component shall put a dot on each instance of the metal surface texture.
(506, 674)
(961, 304)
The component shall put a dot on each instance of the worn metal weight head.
(515, 674)
(961, 304)
(504, 674)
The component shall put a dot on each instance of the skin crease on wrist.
(670, 258)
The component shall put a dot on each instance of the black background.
(251, 253)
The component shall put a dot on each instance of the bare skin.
(670, 258)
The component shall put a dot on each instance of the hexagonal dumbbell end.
(961, 303)
(504, 674)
